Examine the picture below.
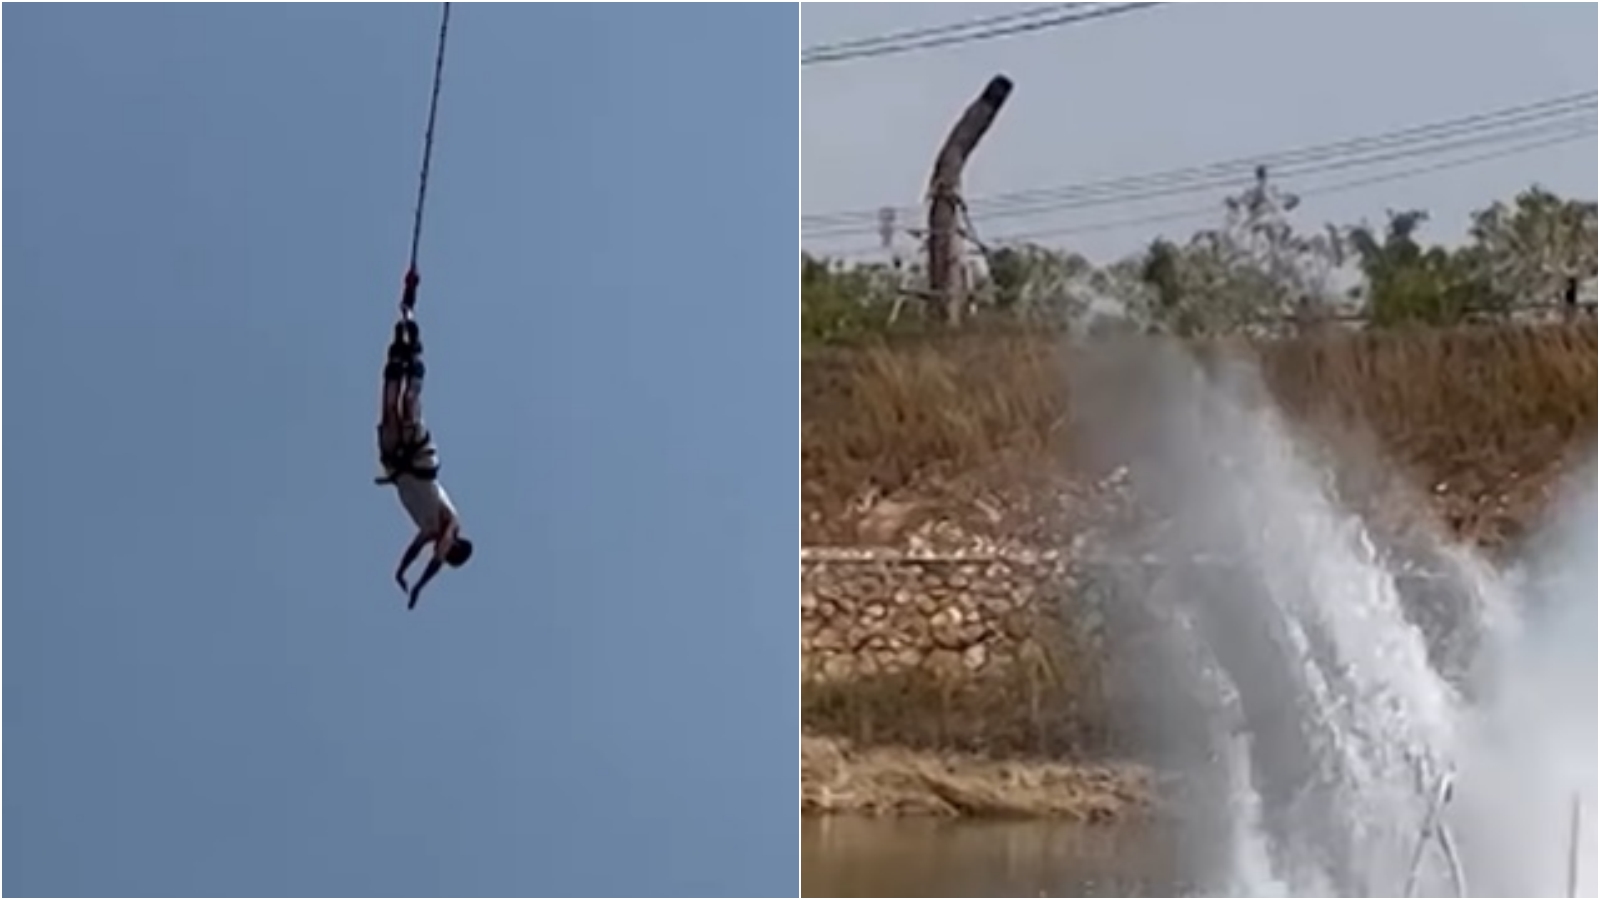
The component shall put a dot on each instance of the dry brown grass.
(888, 414)
(1484, 409)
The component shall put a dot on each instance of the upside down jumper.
(405, 448)
(409, 458)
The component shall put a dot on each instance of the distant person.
(410, 460)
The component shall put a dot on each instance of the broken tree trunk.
(945, 273)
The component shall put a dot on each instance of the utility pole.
(886, 226)
(946, 276)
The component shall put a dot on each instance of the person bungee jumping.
(409, 458)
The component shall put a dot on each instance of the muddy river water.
(845, 857)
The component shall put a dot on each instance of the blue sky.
(211, 686)
(1188, 84)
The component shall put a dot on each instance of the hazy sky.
(211, 685)
(1186, 84)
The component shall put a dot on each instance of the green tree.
(1406, 282)
(1526, 251)
(1039, 284)
(1253, 269)
(841, 301)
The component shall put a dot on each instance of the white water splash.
(1530, 744)
(1291, 683)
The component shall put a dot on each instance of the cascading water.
(1276, 660)
(1530, 744)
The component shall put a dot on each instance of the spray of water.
(1310, 685)
(1529, 746)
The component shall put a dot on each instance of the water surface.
(850, 857)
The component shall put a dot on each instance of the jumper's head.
(460, 551)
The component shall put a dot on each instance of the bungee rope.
(408, 299)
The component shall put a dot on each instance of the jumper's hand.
(416, 593)
(400, 579)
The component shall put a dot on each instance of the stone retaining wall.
(867, 613)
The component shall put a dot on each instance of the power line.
(1478, 122)
(821, 55)
(1465, 126)
(1157, 191)
(1341, 187)
(1341, 154)
(936, 30)
(1573, 134)
(857, 221)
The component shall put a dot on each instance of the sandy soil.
(890, 781)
